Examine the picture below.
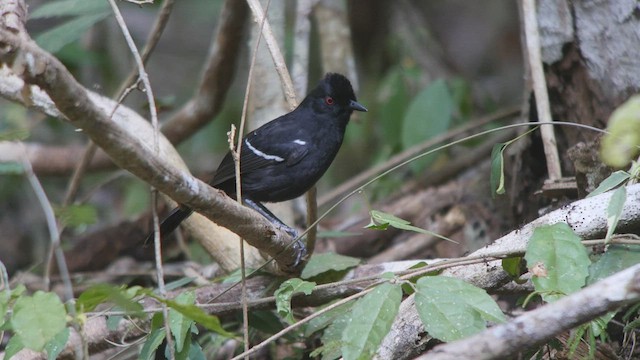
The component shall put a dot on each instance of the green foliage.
(179, 324)
(497, 169)
(394, 98)
(57, 344)
(381, 221)
(83, 15)
(286, 291)
(558, 260)
(332, 337)
(121, 296)
(77, 214)
(154, 339)
(429, 114)
(614, 210)
(617, 258)
(513, 266)
(611, 182)
(371, 319)
(620, 145)
(451, 309)
(197, 314)
(497, 164)
(137, 197)
(324, 320)
(328, 262)
(11, 168)
(38, 319)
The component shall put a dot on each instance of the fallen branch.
(587, 218)
(542, 324)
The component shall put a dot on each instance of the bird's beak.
(354, 105)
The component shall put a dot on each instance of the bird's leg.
(298, 245)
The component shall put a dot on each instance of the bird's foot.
(298, 246)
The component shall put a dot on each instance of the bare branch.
(587, 218)
(540, 325)
(129, 145)
(540, 88)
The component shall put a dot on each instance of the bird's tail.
(172, 221)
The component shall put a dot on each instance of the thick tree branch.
(203, 107)
(129, 145)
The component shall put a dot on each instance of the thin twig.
(290, 92)
(357, 181)
(540, 88)
(125, 88)
(237, 153)
(300, 71)
(276, 54)
(144, 77)
(54, 236)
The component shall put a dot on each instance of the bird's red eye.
(329, 100)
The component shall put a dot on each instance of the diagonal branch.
(129, 144)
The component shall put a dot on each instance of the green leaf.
(617, 258)
(614, 210)
(4, 305)
(451, 309)
(55, 39)
(195, 352)
(37, 319)
(195, 313)
(513, 266)
(497, 169)
(13, 346)
(152, 343)
(322, 321)
(336, 234)
(178, 323)
(286, 291)
(136, 197)
(14, 135)
(559, 260)
(620, 145)
(267, 322)
(371, 319)
(77, 214)
(11, 168)
(429, 114)
(69, 8)
(119, 295)
(184, 351)
(381, 221)
(393, 98)
(179, 283)
(322, 263)
(614, 180)
(496, 179)
(56, 345)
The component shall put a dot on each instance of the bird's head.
(334, 95)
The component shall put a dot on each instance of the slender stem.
(144, 77)
(540, 88)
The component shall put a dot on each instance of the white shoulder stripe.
(300, 142)
(261, 154)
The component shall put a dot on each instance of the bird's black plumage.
(284, 158)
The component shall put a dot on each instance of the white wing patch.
(261, 154)
(300, 142)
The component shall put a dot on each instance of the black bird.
(285, 157)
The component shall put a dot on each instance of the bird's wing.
(269, 145)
